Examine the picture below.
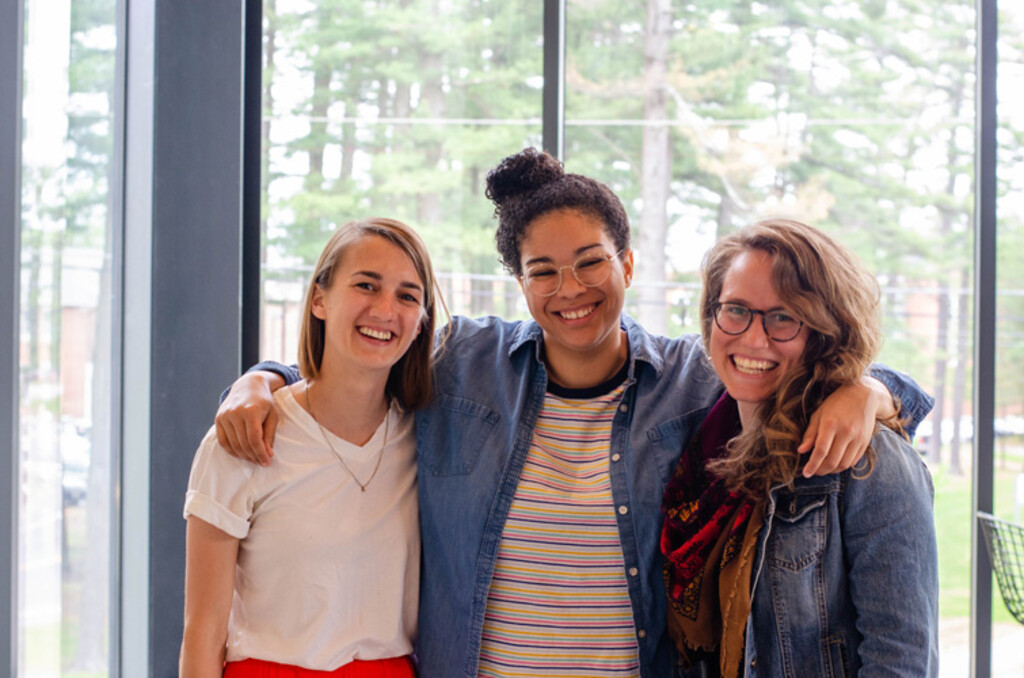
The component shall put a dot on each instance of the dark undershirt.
(591, 391)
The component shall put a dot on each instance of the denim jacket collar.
(641, 345)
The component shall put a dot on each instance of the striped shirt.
(559, 603)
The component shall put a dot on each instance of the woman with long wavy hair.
(765, 569)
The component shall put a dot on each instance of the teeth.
(749, 366)
(376, 334)
(577, 314)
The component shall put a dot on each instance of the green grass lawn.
(953, 511)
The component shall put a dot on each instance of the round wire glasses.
(590, 270)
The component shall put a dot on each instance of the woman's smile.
(581, 323)
(753, 366)
(750, 364)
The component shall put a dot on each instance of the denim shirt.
(846, 576)
(472, 443)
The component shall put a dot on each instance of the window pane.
(854, 117)
(64, 536)
(1007, 634)
(401, 116)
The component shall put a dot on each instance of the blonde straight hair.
(410, 380)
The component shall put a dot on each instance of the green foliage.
(91, 82)
(383, 88)
(854, 116)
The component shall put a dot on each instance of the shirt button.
(633, 572)
(641, 634)
(623, 510)
(623, 408)
(616, 456)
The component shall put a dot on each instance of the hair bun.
(522, 173)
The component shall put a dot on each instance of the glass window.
(1007, 634)
(855, 117)
(66, 321)
(393, 109)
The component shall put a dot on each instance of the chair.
(1005, 542)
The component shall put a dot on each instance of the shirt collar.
(641, 345)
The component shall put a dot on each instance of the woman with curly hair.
(830, 575)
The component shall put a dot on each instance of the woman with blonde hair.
(829, 575)
(309, 566)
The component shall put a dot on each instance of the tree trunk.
(267, 113)
(94, 607)
(32, 296)
(942, 354)
(942, 329)
(318, 126)
(724, 215)
(960, 374)
(656, 171)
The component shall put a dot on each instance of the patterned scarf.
(708, 540)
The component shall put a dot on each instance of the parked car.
(75, 453)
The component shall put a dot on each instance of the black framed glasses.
(590, 270)
(736, 318)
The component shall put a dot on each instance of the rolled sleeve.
(220, 489)
(216, 514)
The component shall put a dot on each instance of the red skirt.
(393, 667)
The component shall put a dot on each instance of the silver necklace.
(380, 454)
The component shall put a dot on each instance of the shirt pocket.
(673, 435)
(799, 529)
(453, 433)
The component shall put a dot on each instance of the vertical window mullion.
(985, 330)
(11, 20)
(554, 78)
(117, 224)
(136, 302)
(252, 117)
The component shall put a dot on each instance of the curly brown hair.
(532, 183)
(827, 288)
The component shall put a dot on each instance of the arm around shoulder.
(913, 402)
(247, 419)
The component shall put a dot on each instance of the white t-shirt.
(326, 573)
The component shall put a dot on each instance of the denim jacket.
(846, 576)
(472, 444)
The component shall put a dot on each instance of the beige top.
(326, 573)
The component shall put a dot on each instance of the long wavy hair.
(838, 300)
(410, 381)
